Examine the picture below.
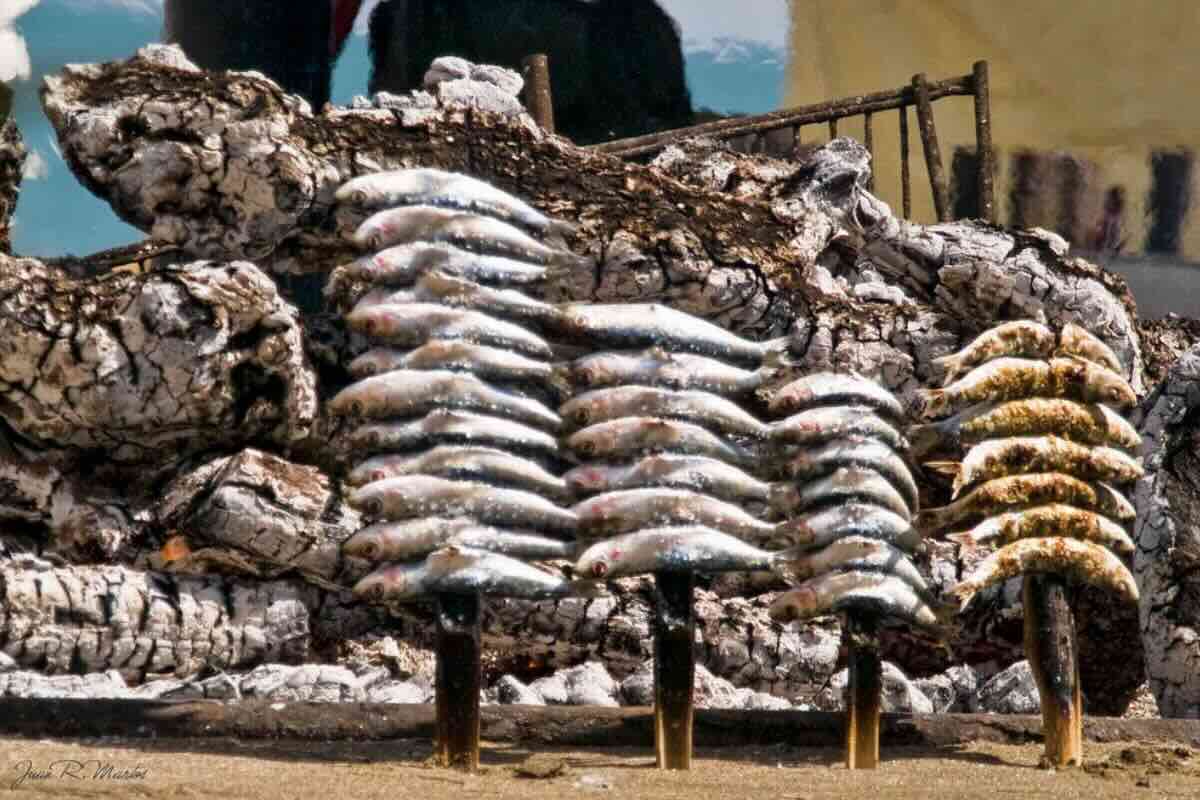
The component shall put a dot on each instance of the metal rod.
(869, 143)
(538, 97)
(865, 691)
(801, 115)
(1053, 655)
(933, 155)
(458, 681)
(905, 178)
(833, 126)
(983, 142)
(797, 141)
(674, 669)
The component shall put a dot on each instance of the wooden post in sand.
(459, 675)
(1053, 655)
(674, 669)
(865, 686)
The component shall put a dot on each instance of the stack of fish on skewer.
(668, 451)
(1038, 412)
(849, 498)
(462, 474)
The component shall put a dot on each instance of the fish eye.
(586, 376)
(357, 408)
(375, 593)
(1115, 393)
(358, 196)
(374, 506)
(581, 416)
(599, 569)
(369, 327)
(370, 551)
(378, 475)
(587, 448)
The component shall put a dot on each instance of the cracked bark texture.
(1167, 560)
(226, 166)
(12, 161)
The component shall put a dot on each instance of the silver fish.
(434, 187)
(1086, 423)
(1052, 519)
(484, 464)
(404, 541)
(629, 509)
(1020, 491)
(454, 427)
(817, 529)
(462, 570)
(404, 264)
(997, 458)
(450, 290)
(484, 235)
(1021, 338)
(412, 392)
(825, 423)
(1075, 340)
(1018, 378)
(1079, 561)
(414, 324)
(835, 389)
(850, 553)
(620, 438)
(658, 367)
(871, 592)
(423, 495)
(701, 408)
(489, 363)
(633, 325)
(682, 548)
(840, 486)
(854, 451)
(698, 473)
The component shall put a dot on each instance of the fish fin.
(923, 438)
(948, 469)
(777, 352)
(585, 587)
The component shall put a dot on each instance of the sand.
(398, 770)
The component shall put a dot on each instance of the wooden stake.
(539, 98)
(1053, 655)
(6, 102)
(865, 691)
(458, 679)
(674, 669)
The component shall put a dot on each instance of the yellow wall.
(1108, 80)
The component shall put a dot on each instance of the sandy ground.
(188, 769)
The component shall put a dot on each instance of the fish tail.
(790, 564)
(932, 519)
(560, 378)
(949, 469)
(930, 402)
(560, 230)
(776, 352)
(923, 438)
(585, 587)
(564, 262)
(962, 594)
(782, 496)
(948, 365)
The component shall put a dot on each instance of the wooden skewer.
(674, 669)
(865, 690)
(459, 675)
(1053, 655)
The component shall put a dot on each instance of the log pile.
(141, 406)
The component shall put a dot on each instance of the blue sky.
(734, 52)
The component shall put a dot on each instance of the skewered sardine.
(423, 495)
(1022, 491)
(853, 451)
(484, 464)
(1086, 423)
(410, 392)
(414, 324)
(1075, 340)
(842, 485)
(701, 408)
(825, 423)
(855, 553)
(1083, 562)
(1021, 338)
(1016, 378)
(403, 264)
(872, 592)
(454, 427)
(683, 548)
(835, 389)
(697, 473)
(619, 439)
(404, 541)
(657, 367)
(489, 363)
(631, 509)
(817, 529)
(1054, 519)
